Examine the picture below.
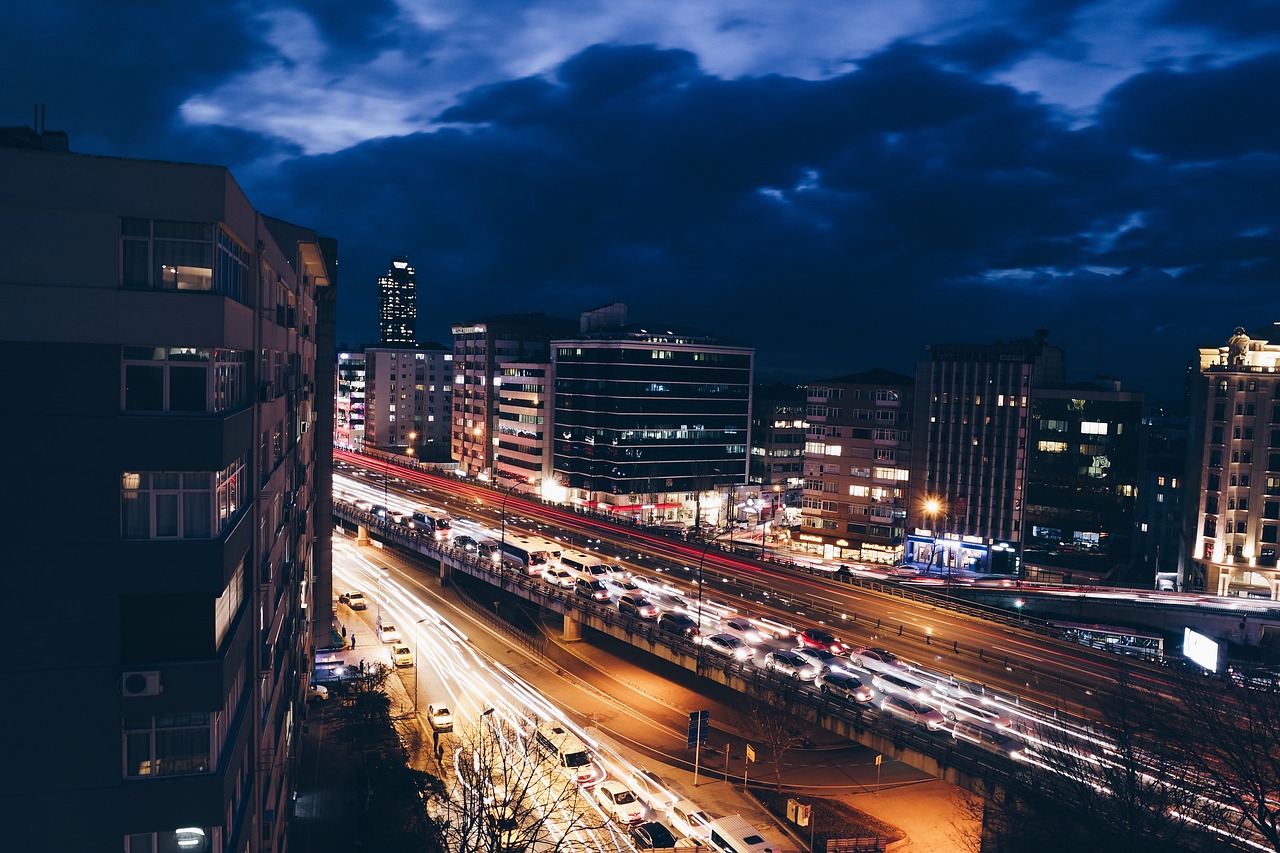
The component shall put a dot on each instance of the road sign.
(698, 728)
(751, 753)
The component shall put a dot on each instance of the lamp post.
(933, 506)
(773, 517)
(503, 525)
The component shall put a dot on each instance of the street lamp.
(502, 550)
(933, 506)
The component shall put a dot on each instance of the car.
(680, 625)
(846, 686)
(441, 718)
(652, 790)
(971, 711)
(562, 578)
(354, 600)
(504, 830)
(317, 693)
(817, 638)
(489, 550)
(652, 835)
(619, 802)
(984, 737)
(823, 661)
(634, 604)
(622, 586)
(789, 663)
(401, 656)
(687, 818)
(466, 543)
(729, 646)
(892, 683)
(591, 589)
(913, 711)
(388, 633)
(772, 628)
(743, 628)
(877, 660)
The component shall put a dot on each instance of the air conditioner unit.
(140, 684)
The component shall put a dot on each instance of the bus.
(1114, 638)
(569, 755)
(530, 553)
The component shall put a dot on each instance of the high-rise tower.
(398, 304)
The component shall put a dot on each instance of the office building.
(398, 304)
(778, 430)
(407, 399)
(857, 462)
(523, 452)
(480, 349)
(174, 468)
(1083, 461)
(651, 422)
(969, 459)
(1160, 547)
(1234, 468)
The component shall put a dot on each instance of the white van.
(732, 834)
(570, 756)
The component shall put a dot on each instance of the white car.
(877, 660)
(354, 600)
(441, 718)
(913, 711)
(743, 628)
(562, 578)
(730, 646)
(388, 633)
(971, 711)
(317, 693)
(822, 661)
(619, 802)
(688, 819)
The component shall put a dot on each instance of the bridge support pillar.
(362, 536)
(572, 629)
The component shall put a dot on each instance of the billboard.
(1199, 649)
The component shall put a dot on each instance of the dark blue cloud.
(1242, 19)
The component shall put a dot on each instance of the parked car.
(823, 661)
(354, 600)
(401, 656)
(592, 589)
(441, 718)
(984, 737)
(652, 836)
(619, 802)
(789, 663)
(680, 625)
(388, 633)
(687, 818)
(634, 604)
(913, 711)
(877, 660)
(317, 693)
(844, 685)
(817, 638)
(729, 646)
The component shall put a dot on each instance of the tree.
(771, 718)
(500, 797)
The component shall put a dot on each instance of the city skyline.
(835, 187)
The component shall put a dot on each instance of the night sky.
(835, 183)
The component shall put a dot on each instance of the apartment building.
(173, 465)
(407, 399)
(1233, 501)
(349, 402)
(398, 304)
(856, 467)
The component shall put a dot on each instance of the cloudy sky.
(836, 183)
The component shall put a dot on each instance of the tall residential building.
(857, 463)
(1234, 467)
(1082, 481)
(348, 426)
(969, 460)
(480, 349)
(651, 421)
(407, 399)
(178, 464)
(1160, 548)
(398, 304)
(778, 429)
(523, 452)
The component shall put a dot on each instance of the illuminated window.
(181, 505)
(167, 745)
(1053, 446)
(1093, 428)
